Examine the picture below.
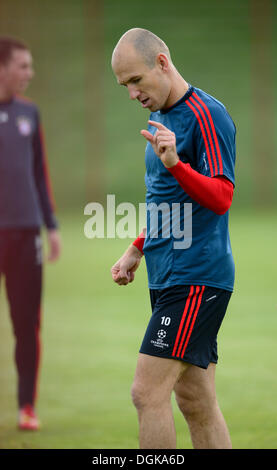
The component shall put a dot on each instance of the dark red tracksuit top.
(25, 195)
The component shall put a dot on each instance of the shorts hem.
(187, 360)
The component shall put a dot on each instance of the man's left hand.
(54, 244)
(163, 143)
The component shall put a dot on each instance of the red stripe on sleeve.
(213, 131)
(203, 134)
(208, 132)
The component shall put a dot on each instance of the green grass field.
(92, 330)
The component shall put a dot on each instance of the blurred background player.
(25, 205)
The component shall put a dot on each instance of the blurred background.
(92, 329)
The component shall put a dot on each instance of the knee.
(138, 394)
(143, 396)
(194, 407)
(187, 407)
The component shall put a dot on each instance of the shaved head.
(145, 43)
(141, 62)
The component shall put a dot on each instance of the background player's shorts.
(185, 322)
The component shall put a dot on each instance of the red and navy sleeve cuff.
(139, 242)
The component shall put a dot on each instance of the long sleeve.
(213, 193)
(42, 179)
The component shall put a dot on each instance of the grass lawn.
(92, 330)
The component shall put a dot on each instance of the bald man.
(190, 157)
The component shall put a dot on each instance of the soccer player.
(25, 204)
(190, 156)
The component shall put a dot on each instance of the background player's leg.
(196, 397)
(23, 282)
(151, 392)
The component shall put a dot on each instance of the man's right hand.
(123, 271)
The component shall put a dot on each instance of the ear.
(162, 62)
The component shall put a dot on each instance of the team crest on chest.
(4, 117)
(24, 125)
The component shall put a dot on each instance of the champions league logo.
(159, 341)
(24, 125)
(161, 334)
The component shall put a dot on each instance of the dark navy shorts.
(185, 322)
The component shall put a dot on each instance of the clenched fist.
(163, 143)
(123, 271)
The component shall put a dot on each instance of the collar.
(181, 100)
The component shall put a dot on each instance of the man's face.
(150, 86)
(17, 73)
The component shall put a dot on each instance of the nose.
(29, 73)
(133, 93)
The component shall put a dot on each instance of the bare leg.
(151, 392)
(196, 397)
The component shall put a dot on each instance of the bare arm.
(123, 271)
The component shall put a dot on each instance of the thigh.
(196, 385)
(158, 375)
(23, 274)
